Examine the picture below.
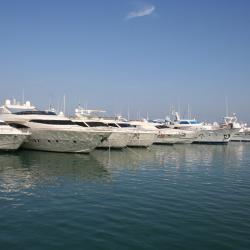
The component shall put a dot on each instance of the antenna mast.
(226, 102)
(64, 104)
(23, 97)
(128, 114)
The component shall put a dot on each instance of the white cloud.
(145, 11)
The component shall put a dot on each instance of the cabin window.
(161, 126)
(125, 125)
(53, 122)
(34, 112)
(82, 124)
(113, 125)
(97, 124)
(16, 125)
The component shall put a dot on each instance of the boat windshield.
(188, 122)
(184, 122)
(194, 122)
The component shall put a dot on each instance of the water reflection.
(26, 169)
(178, 156)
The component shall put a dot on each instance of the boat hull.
(175, 137)
(11, 141)
(241, 137)
(141, 139)
(219, 136)
(117, 140)
(63, 141)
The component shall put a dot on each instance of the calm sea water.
(166, 197)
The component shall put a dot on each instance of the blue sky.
(112, 54)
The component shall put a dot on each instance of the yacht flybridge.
(11, 138)
(49, 131)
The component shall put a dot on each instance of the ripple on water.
(182, 197)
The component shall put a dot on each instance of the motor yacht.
(122, 131)
(118, 138)
(139, 137)
(207, 133)
(166, 134)
(242, 131)
(49, 131)
(243, 135)
(11, 138)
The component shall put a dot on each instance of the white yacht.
(11, 138)
(122, 131)
(207, 133)
(139, 137)
(118, 139)
(165, 134)
(49, 131)
(243, 135)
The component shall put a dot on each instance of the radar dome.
(27, 103)
(7, 102)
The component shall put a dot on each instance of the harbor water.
(164, 197)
